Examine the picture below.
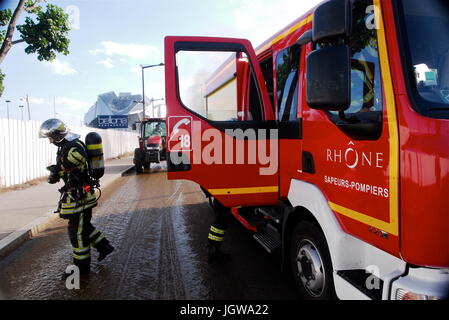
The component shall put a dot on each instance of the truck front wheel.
(310, 263)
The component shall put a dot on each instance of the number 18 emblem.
(180, 130)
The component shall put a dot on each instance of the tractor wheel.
(138, 160)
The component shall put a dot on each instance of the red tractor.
(151, 143)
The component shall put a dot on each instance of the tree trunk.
(7, 43)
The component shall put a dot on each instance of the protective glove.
(54, 174)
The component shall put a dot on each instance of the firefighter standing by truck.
(216, 234)
(77, 194)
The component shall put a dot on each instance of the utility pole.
(28, 106)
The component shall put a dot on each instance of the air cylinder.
(94, 148)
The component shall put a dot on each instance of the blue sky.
(110, 38)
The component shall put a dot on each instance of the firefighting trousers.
(82, 236)
(219, 225)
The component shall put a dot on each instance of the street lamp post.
(143, 82)
(7, 108)
(25, 99)
(21, 109)
(28, 106)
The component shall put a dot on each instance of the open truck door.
(217, 137)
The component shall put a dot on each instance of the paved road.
(21, 207)
(159, 229)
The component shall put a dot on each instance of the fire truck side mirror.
(332, 21)
(329, 78)
(134, 127)
(329, 66)
(305, 38)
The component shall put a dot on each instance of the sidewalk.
(24, 212)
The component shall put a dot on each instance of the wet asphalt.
(159, 230)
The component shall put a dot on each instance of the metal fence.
(24, 157)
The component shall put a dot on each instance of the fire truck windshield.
(424, 30)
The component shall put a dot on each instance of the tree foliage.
(362, 36)
(5, 17)
(2, 88)
(48, 35)
(45, 31)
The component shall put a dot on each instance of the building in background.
(112, 111)
(153, 109)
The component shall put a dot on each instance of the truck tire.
(138, 160)
(311, 263)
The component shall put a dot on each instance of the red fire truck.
(329, 142)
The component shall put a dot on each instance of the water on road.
(159, 230)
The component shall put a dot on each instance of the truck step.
(247, 220)
(268, 238)
(358, 279)
(274, 213)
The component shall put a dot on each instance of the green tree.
(44, 31)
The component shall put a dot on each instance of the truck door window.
(207, 85)
(254, 105)
(366, 83)
(287, 66)
(202, 88)
(267, 70)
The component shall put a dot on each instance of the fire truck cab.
(329, 142)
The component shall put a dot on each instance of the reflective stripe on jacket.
(70, 206)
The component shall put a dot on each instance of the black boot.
(105, 251)
(215, 255)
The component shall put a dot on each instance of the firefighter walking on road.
(77, 194)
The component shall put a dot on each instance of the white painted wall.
(24, 157)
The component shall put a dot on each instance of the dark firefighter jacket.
(77, 193)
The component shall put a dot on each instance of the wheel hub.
(310, 268)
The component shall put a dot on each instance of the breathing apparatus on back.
(95, 159)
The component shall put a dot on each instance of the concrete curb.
(14, 240)
(127, 171)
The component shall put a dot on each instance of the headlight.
(402, 294)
